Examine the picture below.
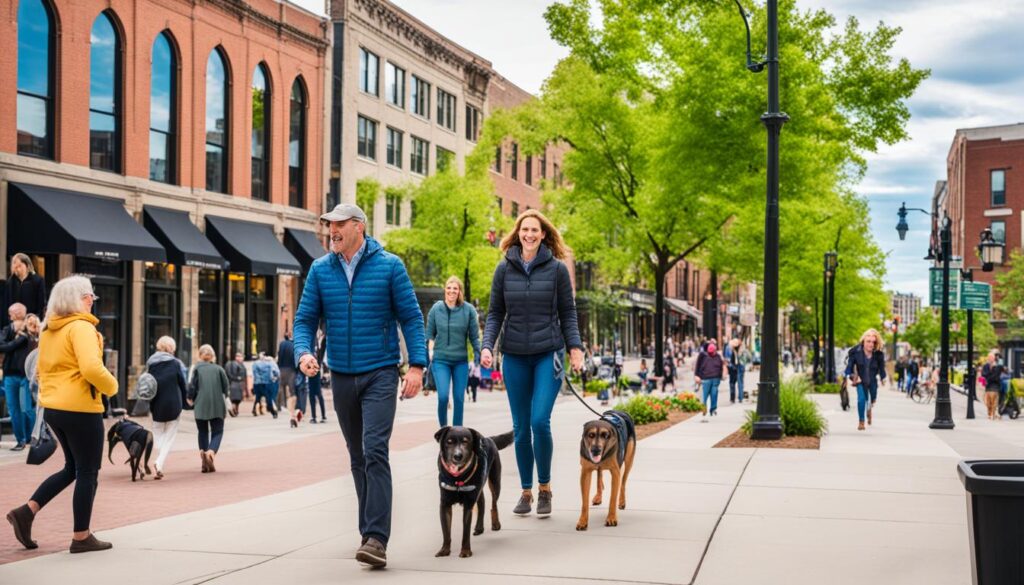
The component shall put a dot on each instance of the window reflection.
(162, 110)
(260, 133)
(104, 95)
(296, 144)
(35, 50)
(216, 122)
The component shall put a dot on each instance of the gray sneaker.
(525, 504)
(544, 503)
(372, 554)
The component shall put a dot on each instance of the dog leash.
(577, 394)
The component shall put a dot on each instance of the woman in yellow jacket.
(72, 379)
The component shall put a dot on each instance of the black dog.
(137, 440)
(467, 460)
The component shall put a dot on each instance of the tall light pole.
(831, 265)
(943, 407)
(769, 425)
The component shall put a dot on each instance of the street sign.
(976, 296)
(935, 288)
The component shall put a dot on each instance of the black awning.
(45, 220)
(250, 247)
(185, 244)
(304, 245)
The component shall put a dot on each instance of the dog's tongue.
(595, 458)
(452, 469)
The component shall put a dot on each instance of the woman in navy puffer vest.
(533, 310)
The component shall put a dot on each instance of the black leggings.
(316, 395)
(81, 437)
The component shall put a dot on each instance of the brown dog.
(608, 444)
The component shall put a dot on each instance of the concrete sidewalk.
(876, 506)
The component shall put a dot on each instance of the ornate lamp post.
(991, 253)
(943, 407)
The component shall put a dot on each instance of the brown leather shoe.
(21, 520)
(860, 426)
(372, 553)
(209, 462)
(89, 544)
(206, 464)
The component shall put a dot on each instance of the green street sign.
(976, 296)
(935, 288)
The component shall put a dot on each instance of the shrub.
(625, 382)
(687, 402)
(827, 388)
(799, 414)
(644, 409)
(595, 386)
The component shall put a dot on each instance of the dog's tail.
(503, 440)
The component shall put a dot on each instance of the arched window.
(217, 127)
(36, 52)
(260, 134)
(105, 95)
(163, 111)
(297, 145)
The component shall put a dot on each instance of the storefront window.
(209, 309)
(236, 334)
(162, 294)
(109, 281)
(261, 316)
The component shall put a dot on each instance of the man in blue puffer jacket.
(361, 293)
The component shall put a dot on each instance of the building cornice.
(477, 75)
(243, 11)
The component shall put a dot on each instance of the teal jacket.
(450, 328)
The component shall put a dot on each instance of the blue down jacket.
(361, 320)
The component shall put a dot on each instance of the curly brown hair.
(552, 238)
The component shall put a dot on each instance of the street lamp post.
(768, 425)
(943, 407)
(831, 265)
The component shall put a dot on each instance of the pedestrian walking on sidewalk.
(474, 378)
(532, 301)
(237, 381)
(286, 365)
(865, 364)
(362, 292)
(208, 393)
(992, 373)
(708, 373)
(171, 394)
(72, 378)
(25, 287)
(297, 408)
(16, 345)
(900, 373)
(316, 393)
(265, 375)
(452, 324)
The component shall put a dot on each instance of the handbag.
(42, 447)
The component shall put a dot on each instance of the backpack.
(145, 387)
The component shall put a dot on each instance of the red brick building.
(146, 119)
(985, 189)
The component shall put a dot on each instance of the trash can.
(995, 518)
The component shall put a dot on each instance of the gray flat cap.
(344, 211)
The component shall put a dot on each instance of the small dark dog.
(608, 443)
(468, 460)
(137, 440)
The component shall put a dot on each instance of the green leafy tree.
(925, 335)
(453, 214)
(668, 156)
(1009, 289)
(367, 193)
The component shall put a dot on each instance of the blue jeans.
(862, 399)
(451, 379)
(365, 406)
(316, 396)
(15, 392)
(710, 387)
(532, 383)
(210, 434)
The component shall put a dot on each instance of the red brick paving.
(118, 503)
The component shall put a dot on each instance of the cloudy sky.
(975, 51)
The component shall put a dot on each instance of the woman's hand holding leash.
(575, 359)
(486, 359)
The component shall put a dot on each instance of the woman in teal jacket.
(450, 324)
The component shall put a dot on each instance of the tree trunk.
(659, 315)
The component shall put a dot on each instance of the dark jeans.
(208, 442)
(365, 406)
(264, 391)
(316, 395)
(81, 437)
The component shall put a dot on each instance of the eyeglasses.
(91, 296)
